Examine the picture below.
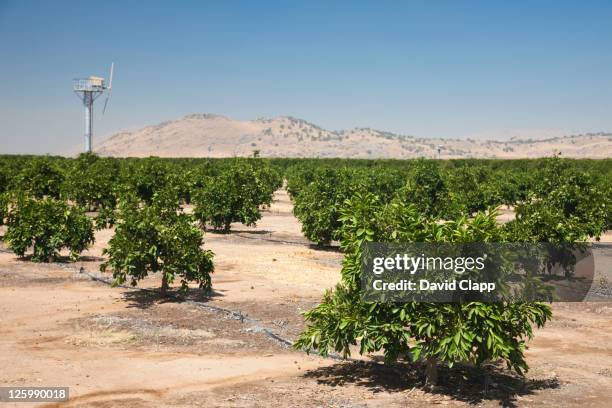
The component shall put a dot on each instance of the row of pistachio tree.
(563, 204)
(51, 205)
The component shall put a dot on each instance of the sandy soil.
(127, 347)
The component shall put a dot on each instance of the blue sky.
(426, 68)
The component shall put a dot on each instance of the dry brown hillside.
(207, 135)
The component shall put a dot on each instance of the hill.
(208, 135)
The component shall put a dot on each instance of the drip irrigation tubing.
(281, 241)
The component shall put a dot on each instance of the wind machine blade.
(109, 88)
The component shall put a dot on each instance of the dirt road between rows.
(121, 347)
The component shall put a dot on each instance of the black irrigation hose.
(281, 241)
(296, 243)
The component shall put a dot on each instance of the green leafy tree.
(512, 186)
(4, 178)
(298, 177)
(472, 332)
(40, 177)
(268, 180)
(234, 195)
(158, 237)
(91, 182)
(318, 204)
(3, 207)
(146, 177)
(607, 205)
(48, 226)
(566, 205)
(428, 191)
(473, 189)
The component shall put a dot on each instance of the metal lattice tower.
(88, 90)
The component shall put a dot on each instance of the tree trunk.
(431, 371)
(164, 285)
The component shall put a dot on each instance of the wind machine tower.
(88, 90)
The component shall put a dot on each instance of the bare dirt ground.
(119, 347)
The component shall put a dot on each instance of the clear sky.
(426, 68)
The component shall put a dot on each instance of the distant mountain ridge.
(211, 135)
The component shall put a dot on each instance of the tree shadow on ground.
(146, 298)
(325, 248)
(463, 383)
(268, 237)
(91, 258)
(253, 232)
(210, 230)
(61, 259)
